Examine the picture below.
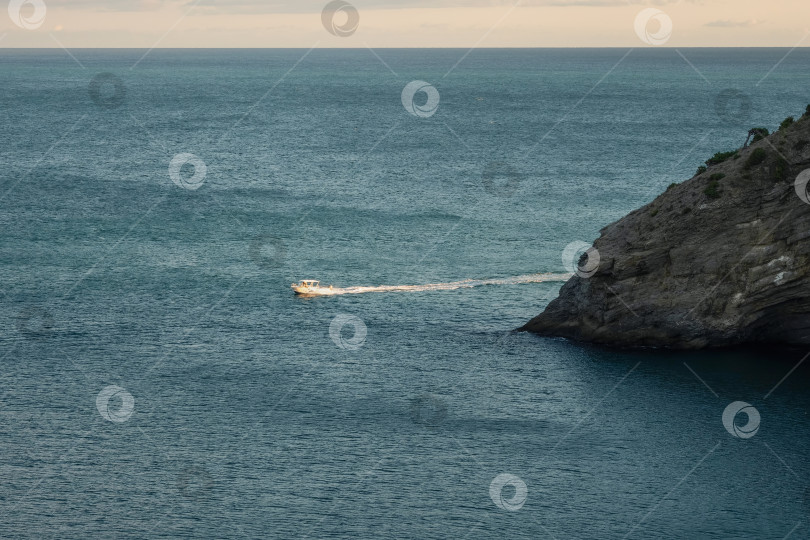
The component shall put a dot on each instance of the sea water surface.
(160, 380)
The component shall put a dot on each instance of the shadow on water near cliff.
(755, 367)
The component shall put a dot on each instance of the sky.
(405, 23)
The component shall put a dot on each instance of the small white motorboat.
(310, 287)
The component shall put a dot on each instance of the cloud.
(110, 5)
(733, 24)
(580, 3)
(315, 6)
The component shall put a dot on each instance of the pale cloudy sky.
(406, 23)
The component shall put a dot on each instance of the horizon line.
(642, 48)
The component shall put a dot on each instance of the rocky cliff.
(719, 260)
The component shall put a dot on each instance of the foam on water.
(467, 283)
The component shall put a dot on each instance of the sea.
(159, 378)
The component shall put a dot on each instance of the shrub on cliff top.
(702, 169)
(720, 157)
(759, 134)
(807, 111)
(757, 156)
(780, 170)
(786, 123)
(712, 190)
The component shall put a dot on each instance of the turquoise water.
(248, 417)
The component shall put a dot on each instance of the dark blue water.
(247, 418)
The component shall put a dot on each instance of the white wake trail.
(467, 283)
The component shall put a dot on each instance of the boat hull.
(312, 291)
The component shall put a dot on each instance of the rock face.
(719, 260)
